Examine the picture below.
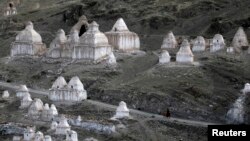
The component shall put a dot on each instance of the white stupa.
(74, 38)
(240, 39)
(39, 136)
(28, 42)
(76, 84)
(122, 111)
(218, 43)
(71, 136)
(59, 83)
(45, 112)
(199, 44)
(78, 120)
(5, 94)
(26, 101)
(246, 88)
(53, 110)
(35, 109)
(10, 9)
(47, 138)
(169, 41)
(73, 91)
(185, 55)
(59, 47)
(164, 57)
(49, 113)
(120, 25)
(93, 45)
(53, 125)
(29, 134)
(111, 59)
(63, 126)
(22, 91)
(121, 38)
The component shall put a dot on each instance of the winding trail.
(113, 107)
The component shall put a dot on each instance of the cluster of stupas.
(73, 91)
(10, 9)
(36, 108)
(31, 135)
(92, 45)
(39, 111)
(185, 53)
(85, 42)
(43, 112)
(23, 94)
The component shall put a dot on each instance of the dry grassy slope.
(146, 17)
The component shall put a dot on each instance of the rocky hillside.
(149, 18)
(202, 93)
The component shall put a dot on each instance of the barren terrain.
(204, 92)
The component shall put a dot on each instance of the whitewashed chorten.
(47, 138)
(246, 88)
(218, 43)
(111, 59)
(63, 126)
(78, 120)
(199, 44)
(59, 83)
(169, 41)
(93, 45)
(5, 94)
(240, 39)
(39, 136)
(60, 47)
(22, 91)
(71, 136)
(73, 91)
(122, 111)
(35, 109)
(10, 9)
(53, 110)
(185, 55)
(28, 42)
(53, 125)
(29, 134)
(121, 38)
(26, 101)
(46, 112)
(164, 57)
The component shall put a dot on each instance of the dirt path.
(113, 107)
